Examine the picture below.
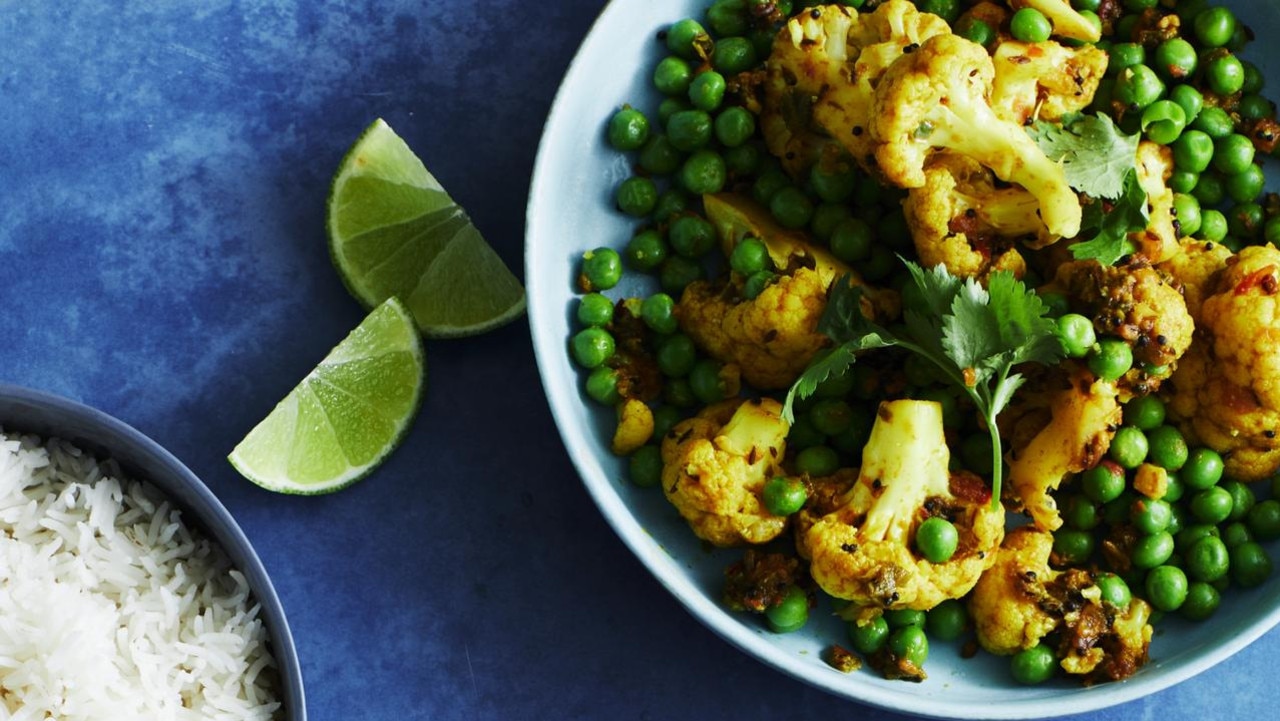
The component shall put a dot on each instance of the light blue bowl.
(46, 415)
(570, 211)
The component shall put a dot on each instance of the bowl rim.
(555, 369)
(133, 450)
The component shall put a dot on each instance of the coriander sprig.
(973, 335)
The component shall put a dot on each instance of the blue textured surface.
(162, 257)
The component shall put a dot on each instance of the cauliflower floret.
(1066, 21)
(1021, 600)
(773, 337)
(1085, 415)
(864, 551)
(1194, 267)
(1139, 304)
(1158, 242)
(1226, 392)
(715, 465)
(822, 71)
(1044, 80)
(635, 426)
(937, 98)
(960, 219)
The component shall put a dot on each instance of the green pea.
(947, 621)
(636, 196)
(1166, 588)
(1186, 210)
(1247, 185)
(1030, 26)
(1137, 87)
(1033, 665)
(870, 636)
(1214, 27)
(644, 467)
(706, 90)
(1235, 533)
(1145, 412)
(658, 156)
(672, 201)
(791, 207)
(1163, 121)
(601, 269)
(826, 216)
(1212, 505)
(851, 240)
(1183, 181)
(628, 129)
(743, 160)
(1104, 482)
(1242, 499)
(1256, 107)
(733, 55)
(1264, 520)
(692, 236)
(728, 17)
(1253, 78)
(768, 184)
(975, 30)
(1246, 220)
(1215, 122)
(1111, 359)
(670, 106)
(676, 355)
(1072, 546)
(1167, 447)
(703, 172)
(1114, 590)
(1153, 550)
(706, 382)
(1150, 515)
(1201, 602)
(664, 419)
(1076, 334)
(803, 434)
(689, 130)
(749, 256)
(831, 416)
(852, 439)
(1213, 225)
(659, 313)
(1189, 98)
(1224, 74)
(784, 496)
(1250, 564)
(677, 393)
(756, 283)
(645, 251)
(1233, 154)
(685, 37)
(1193, 533)
(1176, 58)
(1209, 191)
(937, 539)
(790, 613)
(734, 126)
(817, 461)
(595, 309)
(672, 76)
(902, 617)
(909, 643)
(602, 385)
(1193, 151)
(1207, 559)
(1078, 512)
(1129, 447)
(592, 347)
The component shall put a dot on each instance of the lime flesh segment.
(394, 231)
(347, 415)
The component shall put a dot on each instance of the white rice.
(111, 607)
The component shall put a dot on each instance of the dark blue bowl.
(24, 410)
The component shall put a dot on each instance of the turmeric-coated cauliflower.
(959, 219)
(1226, 392)
(715, 465)
(1084, 416)
(1021, 600)
(1194, 267)
(772, 337)
(822, 71)
(1138, 303)
(938, 98)
(1044, 80)
(864, 550)
(1157, 242)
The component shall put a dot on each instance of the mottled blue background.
(163, 173)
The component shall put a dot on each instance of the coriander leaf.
(829, 365)
(1106, 225)
(1023, 323)
(971, 331)
(1094, 153)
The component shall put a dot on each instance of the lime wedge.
(347, 415)
(394, 231)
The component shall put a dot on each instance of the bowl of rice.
(127, 590)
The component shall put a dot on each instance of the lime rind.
(347, 415)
